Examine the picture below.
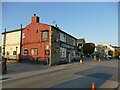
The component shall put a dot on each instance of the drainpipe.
(50, 48)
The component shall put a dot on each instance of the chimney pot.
(35, 19)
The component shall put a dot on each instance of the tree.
(88, 48)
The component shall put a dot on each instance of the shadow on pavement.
(15, 68)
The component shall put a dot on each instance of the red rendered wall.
(33, 37)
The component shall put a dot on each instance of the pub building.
(43, 42)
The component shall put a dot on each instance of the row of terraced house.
(38, 41)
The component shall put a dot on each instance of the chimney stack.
(35, 19)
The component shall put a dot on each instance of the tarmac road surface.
(104, 74)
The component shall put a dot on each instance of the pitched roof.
(12, 31)
(81, 40)
(63, 32)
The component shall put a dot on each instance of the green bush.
(45, 62)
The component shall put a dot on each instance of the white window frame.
(62, 52)
(46, 37)
(27, 51)
(34, 51)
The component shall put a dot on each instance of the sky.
(96, 22)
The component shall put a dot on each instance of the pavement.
(29, 69)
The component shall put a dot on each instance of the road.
(104, 74)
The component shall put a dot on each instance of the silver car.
(108, 57)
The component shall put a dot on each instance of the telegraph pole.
(20, 44)
(4, 68)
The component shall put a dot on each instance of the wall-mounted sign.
(57, 50)
(47, 47)
(57, 40)
(47, 52)
(66, 46)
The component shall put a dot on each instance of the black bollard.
(20, 60)
(4, 68)
(48, 61)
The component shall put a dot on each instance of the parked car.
(0, 58)
(108, 57)
(119, 57)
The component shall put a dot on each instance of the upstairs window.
(62, 37)
(44, 35)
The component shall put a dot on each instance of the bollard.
(4, 68)
(20, 60)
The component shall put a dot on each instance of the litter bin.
(4, 68)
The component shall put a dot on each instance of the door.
(69, 57)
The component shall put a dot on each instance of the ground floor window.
(73, 53)
(25, 52)
(34, 51)
(62, 52)
(8, 53)
(14, 52)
